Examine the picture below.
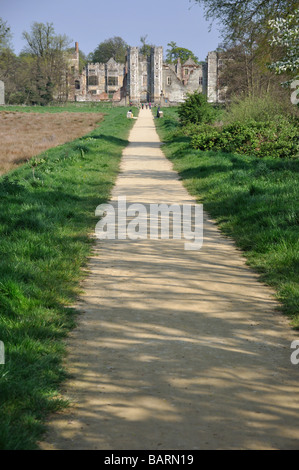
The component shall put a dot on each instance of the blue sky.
(92, 21)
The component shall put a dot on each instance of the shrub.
(207, 140)
(271, 138)
(196, 109)
(192, 129)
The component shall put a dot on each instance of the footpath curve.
(175, 349)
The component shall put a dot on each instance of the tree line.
(259, 50)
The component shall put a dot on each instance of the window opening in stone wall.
(93, 81)
(77, 85)
(113, 81)
(168, 80)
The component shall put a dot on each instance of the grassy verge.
(47, 212)
(254, 200)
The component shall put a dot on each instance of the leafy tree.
(248, 52)
(286, 35)
(42, 41)
(244, 70)
(145, 49)
(196, 109)
(237, 17)
(50, 62)
(9, 63)
(174, 52)
(114, 47)
(5, 35)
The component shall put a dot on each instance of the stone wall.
(101, 82)
(173, 88)
(179, 80)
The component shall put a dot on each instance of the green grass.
(47, 214)
(255, 201)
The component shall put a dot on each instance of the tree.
(244, 68)
(285, 34)
(114, 47)
(145, 49)
(248, 52)
(237, 17)
(196, 109)
(42, 41)
(5, 35)
(174, 52)
(9, 62)
(50, 64)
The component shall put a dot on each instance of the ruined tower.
(156, 60)
(144, 78)
(133, 74)
(212, 77)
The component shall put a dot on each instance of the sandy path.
(175, 349)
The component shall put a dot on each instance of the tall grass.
(47, 212)
(263, 108)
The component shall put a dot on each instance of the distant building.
(143, 79)
(2, 98)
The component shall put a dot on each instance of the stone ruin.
(144, 79)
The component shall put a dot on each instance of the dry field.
(23, 135)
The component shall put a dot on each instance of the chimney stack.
(76, 47)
